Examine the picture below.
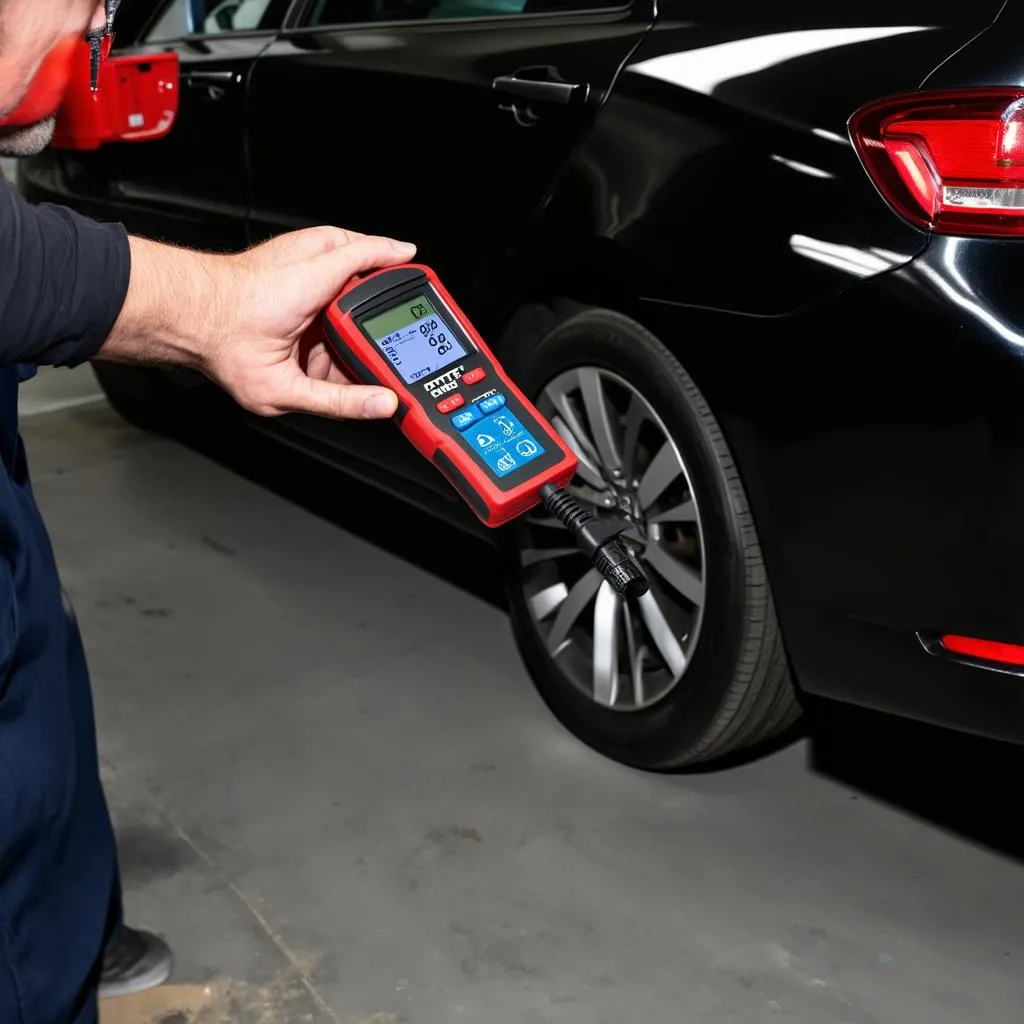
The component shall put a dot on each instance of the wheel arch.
(593, 271)
(597, 271)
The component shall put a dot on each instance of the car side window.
(347, 12)
(210, 17)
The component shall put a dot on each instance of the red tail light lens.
(949, 162)
(986, 650)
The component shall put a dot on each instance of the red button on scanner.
(450, 403)
(474, 376)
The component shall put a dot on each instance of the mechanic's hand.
(249, 321)
(270, 359)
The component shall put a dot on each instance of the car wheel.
(696, 669)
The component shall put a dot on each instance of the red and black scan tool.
(399, 328)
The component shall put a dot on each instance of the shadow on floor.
(956, 782)
(963, 784)
(312, 485)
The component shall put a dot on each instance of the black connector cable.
(598, 539)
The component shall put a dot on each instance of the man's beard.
(26, 140)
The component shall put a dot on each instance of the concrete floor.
(336, 816)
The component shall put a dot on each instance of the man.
(72, 290)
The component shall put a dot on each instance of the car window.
(209, 17)
(346, 12)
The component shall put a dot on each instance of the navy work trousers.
(59, 889)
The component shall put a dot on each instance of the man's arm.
(244, 319)
(72, 290)
(63, 281)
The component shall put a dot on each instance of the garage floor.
(337, 816)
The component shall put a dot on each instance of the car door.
(441, 121)
(190, 187)
(444, 122)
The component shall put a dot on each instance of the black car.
(762, 265)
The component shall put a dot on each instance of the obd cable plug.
(598, 538)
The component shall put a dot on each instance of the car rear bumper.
(880, 437)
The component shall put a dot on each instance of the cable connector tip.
(599, 540)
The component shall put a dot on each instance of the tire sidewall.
(654, 735)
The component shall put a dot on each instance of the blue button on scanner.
(490, 404)
(503, 443)
(467, 418)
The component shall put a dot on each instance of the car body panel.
(729, 181)
(384, 108)
(879, 441)
(867, 376)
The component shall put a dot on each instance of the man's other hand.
(249, 321)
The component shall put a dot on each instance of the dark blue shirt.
(63, 281)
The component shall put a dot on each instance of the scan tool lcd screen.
(415, 339)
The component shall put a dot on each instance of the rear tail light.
(949, 162)
(985, 650)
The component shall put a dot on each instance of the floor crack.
(274, 936)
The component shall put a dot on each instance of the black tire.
(735, 692)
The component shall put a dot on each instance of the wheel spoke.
(686, 512)
(571, 608)
(600, 418)
(664, 468)
(545, 601)
(585, 467)
(531, 556)
(635, 416)
(585, 492)
(637, 669)
(677, 574)
(661, 633)
(557, 393)
(606, 645)
(635, 655)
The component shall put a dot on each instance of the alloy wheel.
(624, 655)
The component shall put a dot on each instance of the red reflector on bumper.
(987, 650)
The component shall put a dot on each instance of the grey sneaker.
(133, 962)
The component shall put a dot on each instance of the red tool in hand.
(399, 328)
(121, 98)
(97, 98)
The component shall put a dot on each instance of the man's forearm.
(75, 290)
(245, 319)
(177, 307)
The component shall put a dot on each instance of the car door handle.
(200, 78)
(544, 90)
(213, 83)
